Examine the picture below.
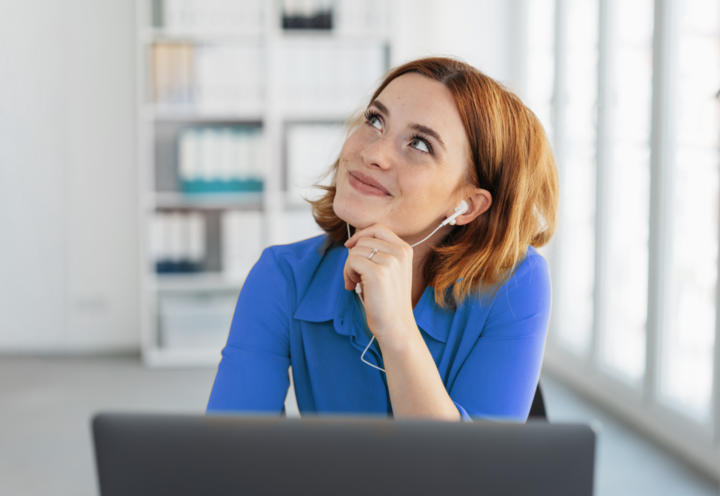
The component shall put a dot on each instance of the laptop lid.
(143, 455)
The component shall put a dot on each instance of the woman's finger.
(352, 274)
(352, 279)
(380, 245)
(378, 231)
(358, 266)
(372, 254)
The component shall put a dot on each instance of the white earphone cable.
(359, 291)
(362, 357)
(429, 236)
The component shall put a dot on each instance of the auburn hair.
(510, 157)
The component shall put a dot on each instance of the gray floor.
(46, 404)
(627, 464)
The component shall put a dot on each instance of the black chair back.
(537, 410)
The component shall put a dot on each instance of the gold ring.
(373, 253)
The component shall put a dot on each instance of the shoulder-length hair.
(510, 157)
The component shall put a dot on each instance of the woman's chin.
(352, 214)
(356, 221)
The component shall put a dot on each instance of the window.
(688, 337)
(576, 114)
(541, 59)
(628, 32)
(635, 123)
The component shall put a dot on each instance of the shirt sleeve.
(253, 373)
(464, 417)
(499, 378)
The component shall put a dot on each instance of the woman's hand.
(386, 281)
(416, 389)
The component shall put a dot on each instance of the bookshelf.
(241, 105)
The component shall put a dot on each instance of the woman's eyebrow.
(381, 107)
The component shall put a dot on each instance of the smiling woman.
(449, 183)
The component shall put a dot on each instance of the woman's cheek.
(353, 145)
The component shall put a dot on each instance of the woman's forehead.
(415, 92)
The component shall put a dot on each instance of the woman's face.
(406, 165)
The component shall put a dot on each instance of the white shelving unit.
(307, 78)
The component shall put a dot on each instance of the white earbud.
(459, 210)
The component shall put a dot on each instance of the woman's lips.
(366, 184)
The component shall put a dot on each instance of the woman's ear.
(478, 203)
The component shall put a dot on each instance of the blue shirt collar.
(327, 299)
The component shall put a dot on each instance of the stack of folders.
(177, 241)
(311, 150)
(334, 75)
(307, 14)
(220, 159)
(173, 74)
(242, 242)
(201, 17)
(207, 17)
(208, 78)
(342, 16)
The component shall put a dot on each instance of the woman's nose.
(379, 153)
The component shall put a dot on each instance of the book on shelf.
(212, 17)
(341, 16)
(177, 242)
(173, 73)
(311, 150)
(220, 159)
(208, 78)
(233, 17)
(307, 14)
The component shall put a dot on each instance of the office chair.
(537, 409)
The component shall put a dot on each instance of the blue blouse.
(294, 310)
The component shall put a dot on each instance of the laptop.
(143, 455)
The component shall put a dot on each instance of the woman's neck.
(420, 257)
(417, 290)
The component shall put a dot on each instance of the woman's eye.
(374, 121)
(420, 145)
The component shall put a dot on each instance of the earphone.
(459, 210)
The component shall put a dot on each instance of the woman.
(448, 321)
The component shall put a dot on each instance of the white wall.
(68, 264)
